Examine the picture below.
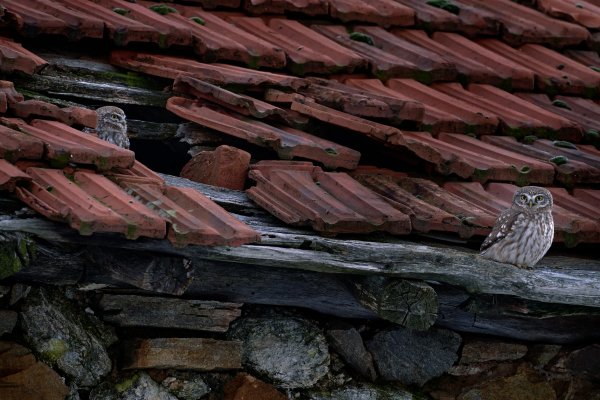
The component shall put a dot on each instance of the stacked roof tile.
(477, 96)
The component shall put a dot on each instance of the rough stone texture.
(414, 357)
(540, 355)
(8, 320)
(65, 337)
(292, 352)
(138, 387)
(363, 393)
(481, 351)
(22, 377)
(524, 385)
(247, 387)
(18, 292)
(196, 354)
(186, 387)
(585, 362)
(226, 167)
(348, 343)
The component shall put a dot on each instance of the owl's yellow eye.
(523, 198)
(539, 198)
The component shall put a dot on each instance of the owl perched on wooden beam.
(523, 233)
(112, 126)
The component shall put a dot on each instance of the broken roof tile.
(434, 119)
(13, 57)
(477, 119)
(11, 175)
(381, 12)
(554, 72)
(528, 118)
(50, 17)
(16, 145)
(522, 24)
(476, 63)
(307, 51)
(286, 142)
(306, 7)
(67, 115)
(384, 64)
(470, 20)
(364, 103)
(430, 65)
(217, 39)
(102, 208)
(64, 145)
(218, 74)
(568, 173)
(585, 13)
(193, 218)
(300, 194)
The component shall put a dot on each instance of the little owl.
(112, 126)
(524, 232)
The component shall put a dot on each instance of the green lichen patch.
(162, 9)
(331, 151)
(592, 133)
(198, 20)
(121, 11)
(126, 384)
(53, 350)
(529, 139)
(559, 160)
(561, 104)
(564, 144)
(362, 37)
(445, 5)
(593, 67)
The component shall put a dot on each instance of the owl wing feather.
(502, 227)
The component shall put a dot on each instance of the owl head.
(112, 126)
(533, 199)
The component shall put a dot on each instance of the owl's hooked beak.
(530, 203)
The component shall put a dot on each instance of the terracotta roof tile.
(528, 118)
(218, 74)
(217, 39)
(582, 111)
(581, 153)
(286, 142)
(139, 170)
(193, 218)
(209, 4)
(89, 204)
(521, 24)
(50, 17)
(585, 57)
(430, 65)
(306, 7)
(13, 57)
(10, 176)
(434, 119)
(358, 101)
(300, 194)
(554, 71)
(68, 115)
(64, 144)
(381, 12)
(582, 12)
(477, 119)
(8, 95)
(16, 145)
(478, 64)
(307, 51)
(384, 64)
(590, 196)
(381, 132)
(471, 158)
(471, 20)
(569, 173)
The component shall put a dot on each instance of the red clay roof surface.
(467, 101)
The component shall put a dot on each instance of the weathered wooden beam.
(165, 312)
